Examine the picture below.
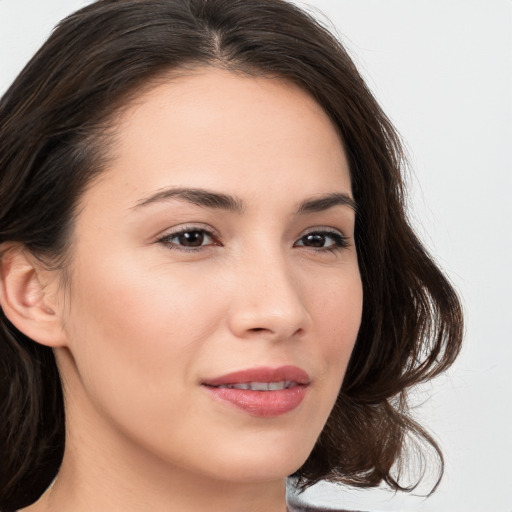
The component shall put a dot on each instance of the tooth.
(242, 386)
(259, 386)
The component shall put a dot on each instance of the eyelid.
(341, 240)
(181, 228)
(164, 237)
(323, 229)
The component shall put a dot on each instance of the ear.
(28, 296)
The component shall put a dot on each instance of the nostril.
(263, 329)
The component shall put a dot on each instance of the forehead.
(224, 131)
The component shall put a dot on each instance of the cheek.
(338, 315)
(336, 310)
(141, 332)
(135, 345)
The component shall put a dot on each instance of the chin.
(272, 463)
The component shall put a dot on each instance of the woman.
(206, 266)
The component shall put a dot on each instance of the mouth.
(262, 392)
(262, 376)
(261, 386)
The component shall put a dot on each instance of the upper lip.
(261, 374)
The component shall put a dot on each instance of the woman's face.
(219, 240)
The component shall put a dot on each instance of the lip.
(263, 404)
(261, 374)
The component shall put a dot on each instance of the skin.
(144, 320)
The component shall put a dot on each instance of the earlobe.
(25, 297)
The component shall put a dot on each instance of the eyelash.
(340, 242)
(166, 239)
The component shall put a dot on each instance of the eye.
(323, 240)
(188, 239)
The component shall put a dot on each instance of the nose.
(268, 302)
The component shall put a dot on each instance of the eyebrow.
(325, 202)
(197, 196)
(221, 201)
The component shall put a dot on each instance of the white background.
(442, 70)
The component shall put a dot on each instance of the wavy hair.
(54, 136)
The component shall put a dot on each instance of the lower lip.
(265, 404)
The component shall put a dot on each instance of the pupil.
(192, 238)
(315, 240)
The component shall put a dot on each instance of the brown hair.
(54, 124)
